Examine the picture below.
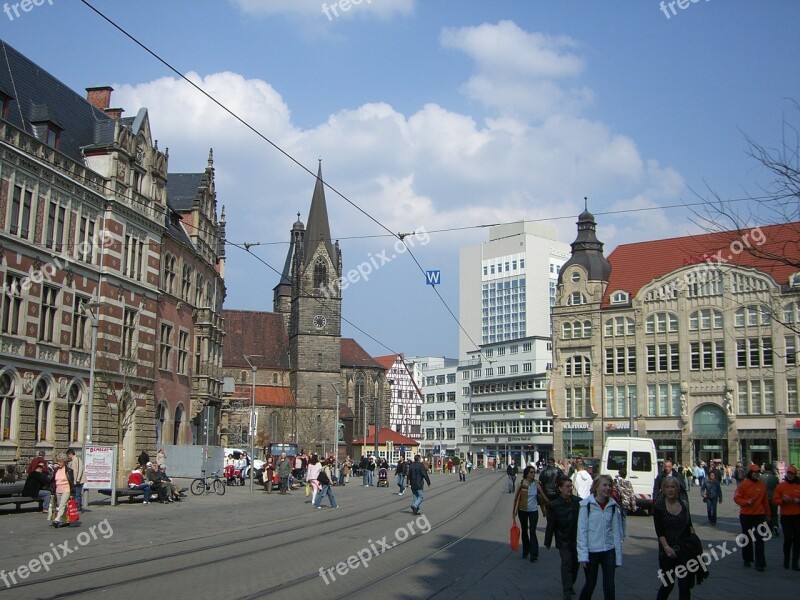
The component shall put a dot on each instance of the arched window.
(8, 398)
(169, 273)
(42, 410)
(75, 413)
(752, 316)
(619, 326)
(320, 274)
(567, 331)
(274, 426)
(576, 298)
(577, 366)
(176, 431)
(661, 322)
(161, 417)
(705, 318)
(275, 378)
(186, 283)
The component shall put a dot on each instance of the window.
(165, 347)
(85, 248)
(754, 352)
(489, 352)
(183, 352)
(791, 350)
(619, 326)
(791, 312)
(661, 323)
(513, 369)
(577, 366)
(757, 397)
(53, 136)
(705, 319)
(42, 410)
(575, 277)
(74, 414)
(128, 331)
(663, 400)
(620, 360)
(527, 367)
(21, 203)
(752, 316)
(501, 351)
(662, 358)
(707, 355)
(12, 305)
(618, 399)
(451, 378)
(440, 397)
(440, 380)
(620, 298)
(577, 402)
(169, 273)
(49, 309)
(513, 349)
(451, 396)
(791, 396)
(501, 370)
(186, 283)
(8, 396)
(133, 257)
(575, 299)
(56, 217)
(79, 321)
(320, 274)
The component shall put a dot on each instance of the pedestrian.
(581, 479)
(599, 537)
(62, 486)
(325, 479)
(469, 466)
(712, 495)
(161, 458)
(76, 463)
(751, 496)
(511, 472)
(549, 479)
(312, 476)
(787, 497)
(739, 473)
(344, 472)
(372, 466)
(673, 523)
(627, 498)
(417, 477)
(268, 475)
(401, 474)
(283, 468)
(670, 471)
(143, 459)
(462, 471)
(562, 522)
(39, 460)
(699, 475)
(771, 481)
(526, 507)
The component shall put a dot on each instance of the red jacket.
(135, 478)
(788, 489)
(757, 492)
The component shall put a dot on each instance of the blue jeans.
(711, 509)
(401, 482)
(417, 498)
(79, 496)
(600, 560)
(45, 496)
(325, 491)
(370, 475)
(145, 487)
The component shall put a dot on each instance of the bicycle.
(207, 483)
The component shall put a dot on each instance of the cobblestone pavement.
(244, 545)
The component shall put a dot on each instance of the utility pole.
(252, 428)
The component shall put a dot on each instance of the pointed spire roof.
(317, 231)
(587, 250)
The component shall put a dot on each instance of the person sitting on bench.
(136, 482)
(153, 476)
(37, 485)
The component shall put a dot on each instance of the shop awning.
(757, 434)
(664, 435)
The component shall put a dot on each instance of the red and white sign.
(99, 469)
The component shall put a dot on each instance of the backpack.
(323, 478)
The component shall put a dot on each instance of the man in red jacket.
(751, 496)
(787, 496)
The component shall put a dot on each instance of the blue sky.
(439, 114)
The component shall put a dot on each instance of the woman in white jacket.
(599, 537)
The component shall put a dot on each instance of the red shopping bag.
(514, 535)
(73, 515)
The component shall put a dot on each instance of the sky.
(437, 118)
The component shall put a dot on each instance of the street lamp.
(95, 322)
(336, 431)
(375, 415)
(253, 368)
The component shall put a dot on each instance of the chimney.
(114, 113)
(99, 97)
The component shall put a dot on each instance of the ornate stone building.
(691, 341)
(84, 216)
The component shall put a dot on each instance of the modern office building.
(508, 284)
(691, 341)
(435, 376)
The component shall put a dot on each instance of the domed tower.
(587, 271)
(282, 293)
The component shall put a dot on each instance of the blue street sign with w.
(433, 277)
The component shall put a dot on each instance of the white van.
(638, 456)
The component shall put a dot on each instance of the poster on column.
(99, 469)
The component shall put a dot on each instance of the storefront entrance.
(710, 434)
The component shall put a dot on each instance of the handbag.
(73, 515)
(308, 489)
(514, 535)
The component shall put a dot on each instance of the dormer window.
(5, 105)
(576, 298)
(620, 298)
(53, 136)
(794, 280)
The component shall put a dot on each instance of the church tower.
(315, 328)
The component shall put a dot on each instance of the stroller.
(383, 477)
(232, 475)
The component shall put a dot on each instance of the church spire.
(317, 230)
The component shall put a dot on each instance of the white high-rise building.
(508, 284)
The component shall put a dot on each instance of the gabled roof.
(182, 189)
(255, 332)
(38, 96)
(353, 355)
(387, 362)
(635, 265)
(385, 434)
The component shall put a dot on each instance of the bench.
(10, 494)
(131, 494)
